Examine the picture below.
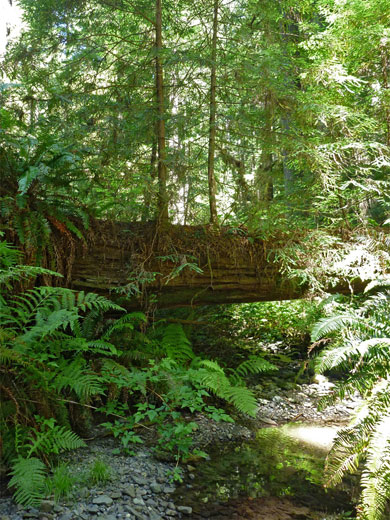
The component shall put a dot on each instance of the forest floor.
(139, 486)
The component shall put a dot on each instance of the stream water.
(277, 476)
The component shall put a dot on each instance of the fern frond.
(76, 377)
(378, 283)
(254, 365)
(376, 475)
(28, 477)
(176, 344)
(209, 364)
(217, 382)
(53, 439)
(334, 356)
(126, 322)
(242, 398)
(334, 324)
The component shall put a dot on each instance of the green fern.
(125, 323)
(51, 438)
(361, 349)
(334, 324)
(176, 344)
(76, 376)
(28, 479)
(213, 378)
(254, 365)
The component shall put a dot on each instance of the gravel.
(140, 486)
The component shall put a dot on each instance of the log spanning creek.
(277, 476)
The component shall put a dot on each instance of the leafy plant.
(173, 381)
(61, 482)
(360, 347)
(100, 472)
(29, 479)
(38, 330)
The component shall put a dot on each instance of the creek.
(276, 476)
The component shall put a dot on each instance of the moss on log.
(178, 266)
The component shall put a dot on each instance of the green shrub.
(61, 482)
(359, 347)
(100, 472)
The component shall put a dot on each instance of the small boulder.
(102, 500)
(186, 510)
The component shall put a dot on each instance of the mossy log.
(179, 265)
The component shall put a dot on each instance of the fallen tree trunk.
(179, 266)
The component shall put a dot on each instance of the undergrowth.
(358, 346)
(61, 360)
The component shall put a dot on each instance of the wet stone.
(130, 491)
(139, 480)
(156, 488)
(47, 506)
(66, 516)
(154, 516)
(103, 500)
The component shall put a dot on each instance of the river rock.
(102, 500)
(130, 491)
(47, 506)
(139, 480)
(156, 488)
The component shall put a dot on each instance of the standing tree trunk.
(288, 172)
(264, 181)
(212, 129)
(148, 190)
(386, 87)
(162, 203)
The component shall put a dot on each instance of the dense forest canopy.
(192, 122)
(269, 113)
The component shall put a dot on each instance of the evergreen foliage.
(57, 351)
(275, 115)
(360, 347)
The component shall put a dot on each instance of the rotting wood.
(234, 269)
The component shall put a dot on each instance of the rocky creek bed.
(140, 486)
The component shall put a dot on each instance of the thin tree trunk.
(162, 203)
(385, 71)
(243, 191)
(212, 129)
(288, 173)
(148, 190)
(264, 183)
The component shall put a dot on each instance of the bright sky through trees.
(10, 22)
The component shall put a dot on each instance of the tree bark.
(212, 129)
(162, 203)
(149, 189)
(243, 191)
(233, 268)
(264, 182)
